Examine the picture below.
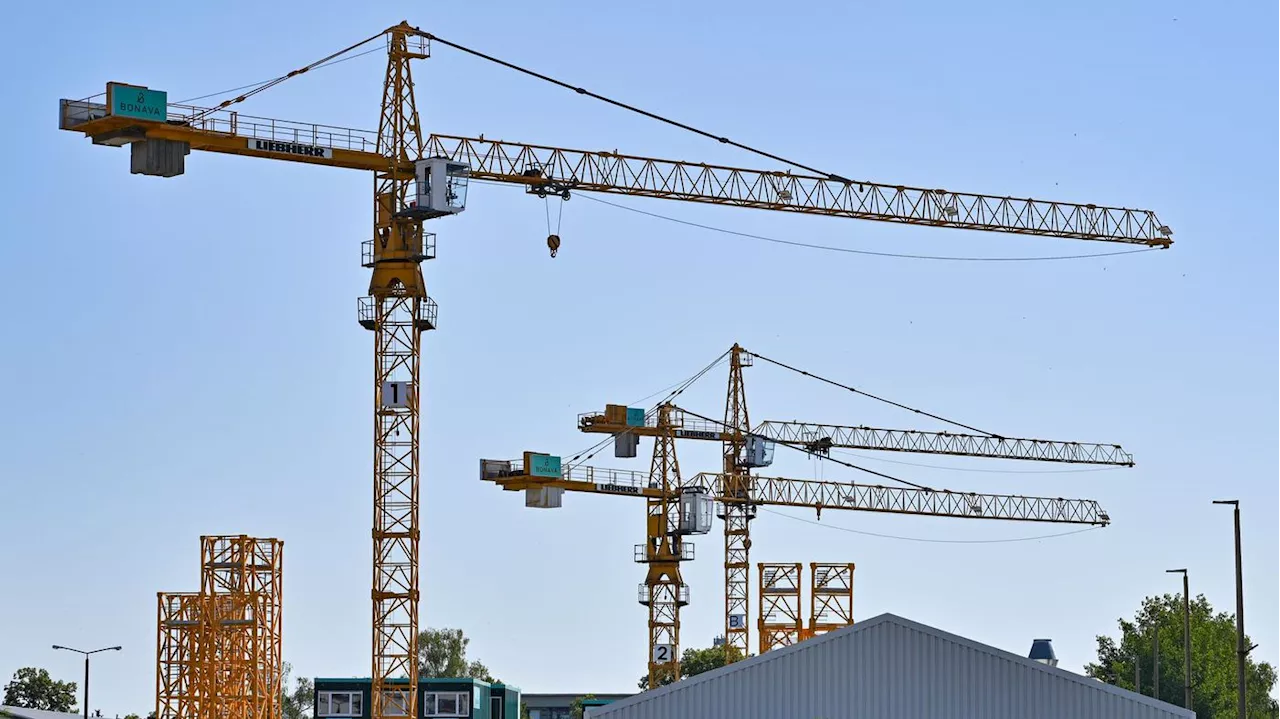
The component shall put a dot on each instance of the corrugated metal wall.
(889, 669)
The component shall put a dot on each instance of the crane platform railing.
(680, 420)
(234, 124)
(572, 473)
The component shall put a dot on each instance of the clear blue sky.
(182, 356)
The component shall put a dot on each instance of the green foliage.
(443, 653)
(576, 709)
(132, 716)
(696, 661)
(33, 688)
(299, 702)
(1213, 658)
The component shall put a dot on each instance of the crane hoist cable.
(978, 470)
(553, 237)
(827, 248)
(872, 396)
(927, 539)
(853, 251)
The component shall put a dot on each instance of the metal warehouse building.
(889, 668)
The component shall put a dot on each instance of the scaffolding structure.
(830, 601)
(218, 651)
(830, 597)
(779, 622)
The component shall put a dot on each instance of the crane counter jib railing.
(538, 166)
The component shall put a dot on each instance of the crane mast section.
(820, 437)
(603, 171)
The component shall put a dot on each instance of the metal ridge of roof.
(775, 654)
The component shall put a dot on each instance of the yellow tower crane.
(419, 177)
(544, 479)
(746, 449)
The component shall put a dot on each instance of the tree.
(443, 653)
(696, 661)
(132, 716)
(576, 710)
(298, 703)
(33, 688)
(1213, 658)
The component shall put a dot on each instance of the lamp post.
(1137, 674)
(86, 669)
(1155, 668)
(1186, 635)
(1241, 650)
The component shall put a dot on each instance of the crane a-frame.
(418, 177)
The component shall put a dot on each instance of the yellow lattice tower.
(830, 597)
(218, 651)
(242, 577)
(664, 590)
(179, 618)
(779, 621)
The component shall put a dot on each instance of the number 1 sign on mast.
(395, 394)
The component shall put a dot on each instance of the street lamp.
(1241, 650)
(86, 669)
(1186, 634)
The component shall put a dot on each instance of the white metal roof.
(888, 667)
(22, 713)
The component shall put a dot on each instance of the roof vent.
(1042, 651)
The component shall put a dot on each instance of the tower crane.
(419, 177)
(686, 510)
(746, 449)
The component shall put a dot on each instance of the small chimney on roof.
(1042, 651)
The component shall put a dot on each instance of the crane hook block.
(553, 244)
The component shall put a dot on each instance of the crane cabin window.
(339, 704)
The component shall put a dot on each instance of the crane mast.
(664, 591)
(736, 510)
(398, 311)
